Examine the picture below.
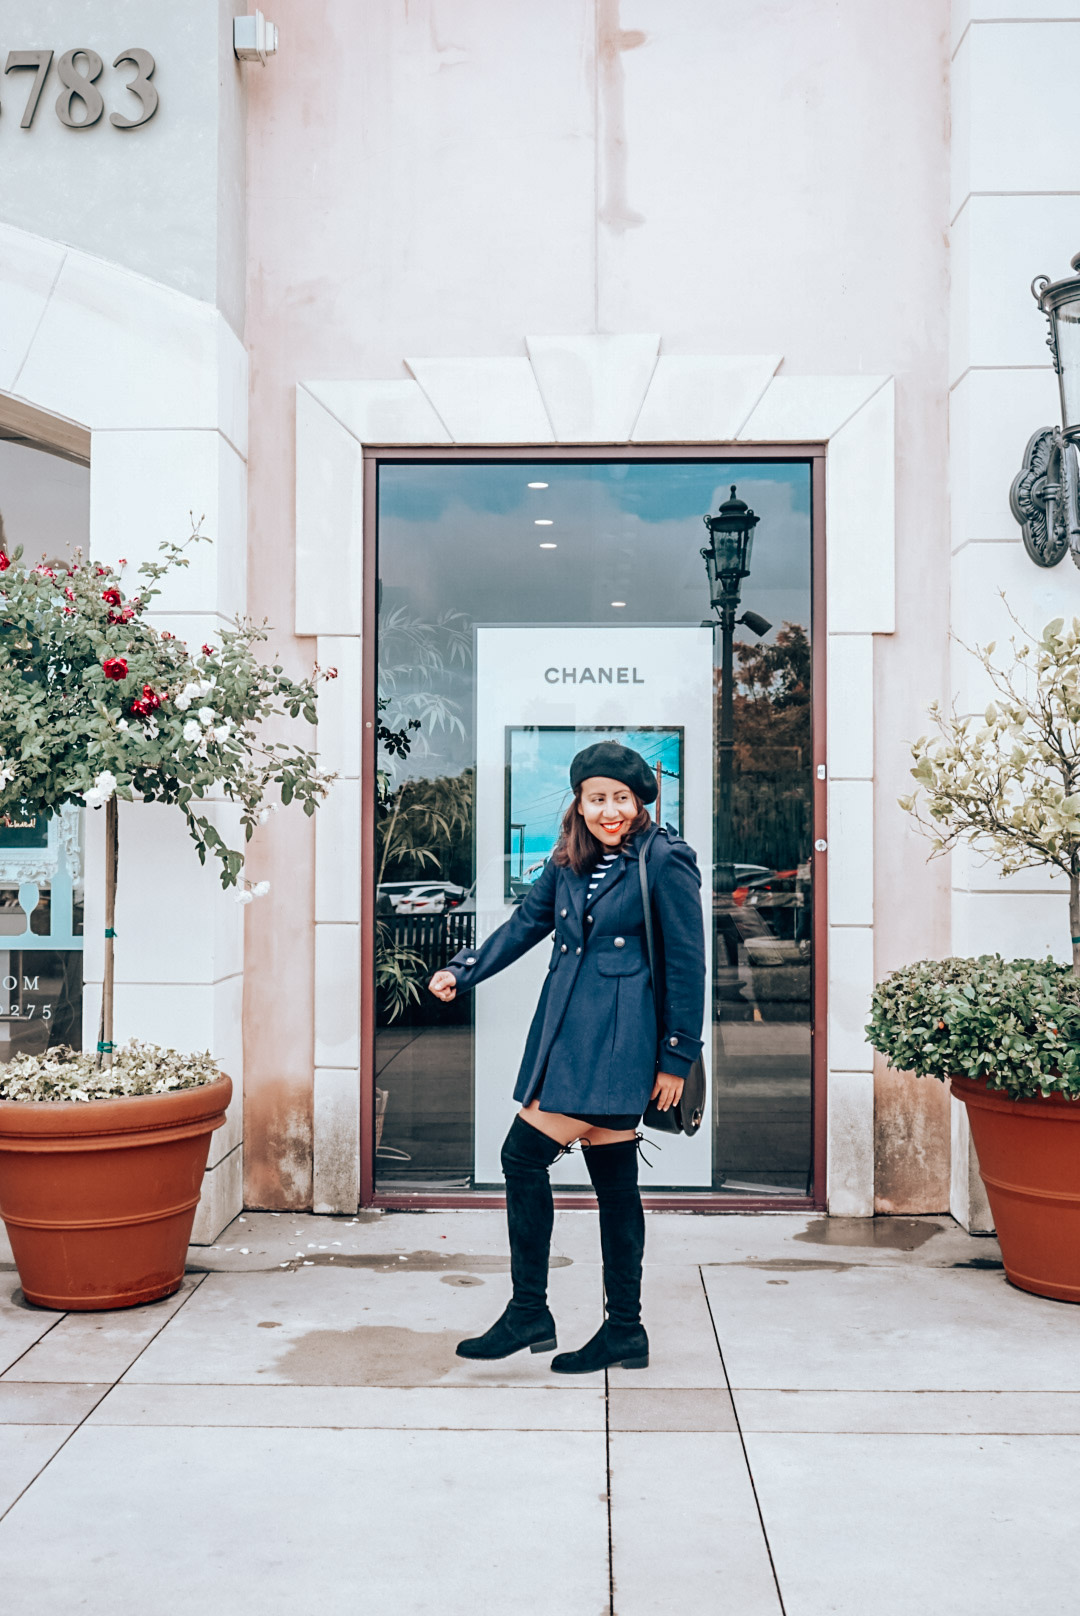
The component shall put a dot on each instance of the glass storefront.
(526, 608)
(45, 508)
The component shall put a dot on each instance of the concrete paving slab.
(276, 1523)
(324, 1327)
(47, 1402)
(895, 1525)
(98, 1346)
(20, 1324)
(1035, 1413)
(897, 1329)
(692, 1546)
(703, 1409)
(24, 1451)
(682, 1346)
(885, 1242)
(433, 1408)
(256, 1238)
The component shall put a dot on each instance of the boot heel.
(634, 1363)
(544, 1346)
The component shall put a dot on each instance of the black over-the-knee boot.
(620, 1339)
(530, 1213)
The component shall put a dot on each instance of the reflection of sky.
(44, 502)
(463, 536)
(539, 768)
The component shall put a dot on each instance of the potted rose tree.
(102, 1153)
(1007, 1033)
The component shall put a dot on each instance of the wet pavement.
(840, 1417)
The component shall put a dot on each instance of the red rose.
(123, 561)
(69, 594)
(111, 596)
(150, 697)
(140, 708)
(165, 635)
(127, 614)
(5, 562)
(208, 650)
(115, 667)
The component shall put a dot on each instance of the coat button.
(674, 1042)
(564, 948)
(470, 962)
(588, 920)
(563, 913)
(577, 950)
(620, 942)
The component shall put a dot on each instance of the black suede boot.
(530, 1213)
(621, 1339)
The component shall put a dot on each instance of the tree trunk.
(112, 840)
(1074, 918)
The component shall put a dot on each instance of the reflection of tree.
(772, 790)
(426, 830)
(423, 826)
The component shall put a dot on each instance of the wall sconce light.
(253, 38)
(1045, 494)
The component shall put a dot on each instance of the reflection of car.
(419, 897)
(771, 889)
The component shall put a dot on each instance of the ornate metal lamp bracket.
(1040, 498)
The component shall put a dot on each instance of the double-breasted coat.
(594, 1044)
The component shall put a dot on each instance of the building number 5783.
(80, 103)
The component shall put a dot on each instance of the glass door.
(526, 607)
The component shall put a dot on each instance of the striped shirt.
(599, 873)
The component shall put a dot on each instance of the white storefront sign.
(542, 694)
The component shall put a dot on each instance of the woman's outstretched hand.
(667, 1091)
(444, 986)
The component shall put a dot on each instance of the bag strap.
(646, 904)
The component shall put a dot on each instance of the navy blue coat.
(594, 1043)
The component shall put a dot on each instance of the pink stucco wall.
(442, 176)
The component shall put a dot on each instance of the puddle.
(797, 1265)
(409, 1262)
(884, 1234)
(370, 1355)
(993, 1263)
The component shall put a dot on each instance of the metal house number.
(80, 103)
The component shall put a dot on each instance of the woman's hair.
(578, 847)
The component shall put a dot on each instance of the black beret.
(615, 762)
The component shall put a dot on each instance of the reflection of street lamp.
(727, 561)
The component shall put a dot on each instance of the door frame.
(703, 1201)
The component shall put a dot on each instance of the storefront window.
(527, 608)
(45, 508)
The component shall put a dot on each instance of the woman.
(594, 1054)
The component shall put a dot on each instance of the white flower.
(7, 772)
(223, 730)
(122, 723)
(101, 790)
(260, 889)
(192, 730)
(243, 897)
(150, 730)
(264, 815)
(206, 715)
(183, 701)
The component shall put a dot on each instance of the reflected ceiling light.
(538, 485)
(543, 521)
(550, 545)
(618, 603)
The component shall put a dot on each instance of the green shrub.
(1014, 1025)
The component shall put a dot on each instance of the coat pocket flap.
(619, 956)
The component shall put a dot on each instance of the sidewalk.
(841, 1419)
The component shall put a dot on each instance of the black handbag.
(688, 1110)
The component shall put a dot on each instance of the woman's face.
(608, 807)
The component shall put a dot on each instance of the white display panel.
(607, 679)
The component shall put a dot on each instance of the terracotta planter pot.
(99, 1197)
(1029, 1160)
